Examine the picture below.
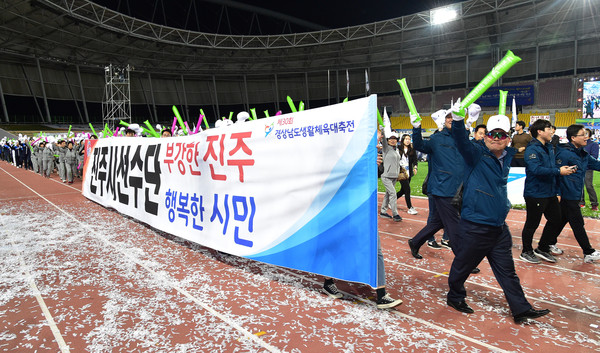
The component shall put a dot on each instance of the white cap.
(242, 116)
(498, 122)
(394, 135)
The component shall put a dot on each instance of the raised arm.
(465, 147)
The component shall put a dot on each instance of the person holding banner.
(519, 142)
(573, 154)
(391, 166)
(483, 229)
(384, 301)
(166, 132)
(541, 191)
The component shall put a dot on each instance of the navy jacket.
(571, 185)
(542, 180)
(485, 199)
(446, 166)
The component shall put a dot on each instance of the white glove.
(455, 109)
(474, 111)
(415, 121)
(439, 118)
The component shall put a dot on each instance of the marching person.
(573, 154)
(542, 190)
(47, 159)
(391, 170)
(483, 230)
(445, 176)
(62, 170)
(384, 301)
(408, 161)
(70, 162)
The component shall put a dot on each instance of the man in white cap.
(483, 230)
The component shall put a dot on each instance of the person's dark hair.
(573, 130)
(538, 125)
(129, 131)
(553, 127)
(590, 132)
(409, 150)
(522, 123)
(166, 130)
(93, 137)
(481, 126)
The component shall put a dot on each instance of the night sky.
(209, 15)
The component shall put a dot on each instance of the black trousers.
(550, 208)
(445, 215)
(517, 162)
(405, 190)
(476, 241)
(571, 212)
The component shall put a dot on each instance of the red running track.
(76, 276)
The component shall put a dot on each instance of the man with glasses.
(541, 192)
(573, 154)
(483, 230)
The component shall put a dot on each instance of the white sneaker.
(592, 257)
(554, 250)
(412, 211)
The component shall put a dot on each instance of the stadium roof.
(263, 17)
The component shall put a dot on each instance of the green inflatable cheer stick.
(179, 120)
(301, 106)
(151, 129)
(253, 111)
(500, 69)
(291, 104)
(94, 131)
(408, 98)
(379, 118)
(266, 113)
(502, 106)
(204, 119)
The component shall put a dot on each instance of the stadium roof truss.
(86, 34)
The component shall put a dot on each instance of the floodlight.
(444, 14)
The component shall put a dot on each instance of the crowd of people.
(46, 157)
(466, 186)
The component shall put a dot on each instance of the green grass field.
(417, 181)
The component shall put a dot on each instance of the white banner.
(295, 190)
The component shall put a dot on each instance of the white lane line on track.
(554, 267)
(161, 277)
(64, 348)
(406, 316)
(498, 289)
